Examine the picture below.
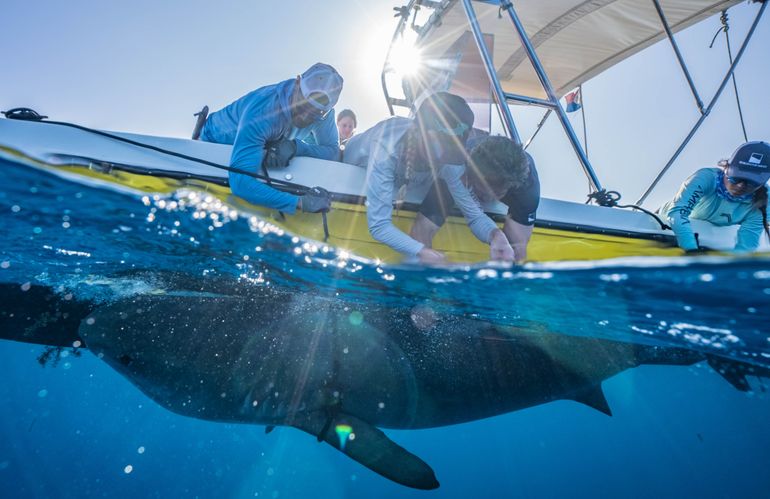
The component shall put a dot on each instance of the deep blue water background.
(72, 430)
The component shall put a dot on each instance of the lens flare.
(405, 58)
(344, 433)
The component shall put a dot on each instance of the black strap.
(201, 116)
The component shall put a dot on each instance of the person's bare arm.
(518, 235)
(423, 230)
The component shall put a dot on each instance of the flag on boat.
(574, 101)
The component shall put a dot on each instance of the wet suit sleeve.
(379, 195)
(478, 222)
(692, 191)
(248, 150)
(327, 140)
(750, 232)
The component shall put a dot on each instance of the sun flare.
(405, 58)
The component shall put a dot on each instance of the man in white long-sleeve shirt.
(398, 151)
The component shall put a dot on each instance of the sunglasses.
(312, 107)
(459, 130)
(748, 183)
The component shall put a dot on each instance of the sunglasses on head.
(744, 181)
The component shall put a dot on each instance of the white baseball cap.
(324, 79)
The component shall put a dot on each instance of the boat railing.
(409, 14)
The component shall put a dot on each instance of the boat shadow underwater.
(217, 350)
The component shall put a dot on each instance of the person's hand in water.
(499, 247)
(431, 256)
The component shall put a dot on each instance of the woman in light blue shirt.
(733, 194)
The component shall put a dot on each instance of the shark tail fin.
(369, 446)
(735, 372)
(38, 314)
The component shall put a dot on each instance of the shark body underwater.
(338, 371)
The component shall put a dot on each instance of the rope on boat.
(603, 198)
(610, 199)
(726, 28)
(27, 114)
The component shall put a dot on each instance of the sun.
(405, 58)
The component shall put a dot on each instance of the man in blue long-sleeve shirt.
(269, 124)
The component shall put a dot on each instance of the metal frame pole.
(534, 101)
(387, 68)
(679, 57)
(546, 83)
(537, 130)
(491, 73)
(708, 109)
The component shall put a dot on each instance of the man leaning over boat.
(267, 127)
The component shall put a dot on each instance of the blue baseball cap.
(322, 79)
(751, 161)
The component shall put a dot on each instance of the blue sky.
(146, 66)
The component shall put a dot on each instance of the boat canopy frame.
(552, 101)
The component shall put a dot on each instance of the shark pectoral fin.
(594, 398)
(372, 448)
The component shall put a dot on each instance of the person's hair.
(411, 156)
(497, 160)
(347, 113)
(758, 201)
(442, 112)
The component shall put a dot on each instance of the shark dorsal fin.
(369, 446)
(594, 398)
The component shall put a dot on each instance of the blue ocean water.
(76, 428)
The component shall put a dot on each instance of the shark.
(338, 370)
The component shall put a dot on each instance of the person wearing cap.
(401, 151)
(735, 193)
(270, 125)
(497, 169)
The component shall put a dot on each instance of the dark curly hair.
(499, 160)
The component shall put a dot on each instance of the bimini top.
(575, 39)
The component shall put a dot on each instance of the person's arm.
(327, 140)
(518, 235)
(379, 211)
(248, 151)
(750, 231)
(478, 222)
(678, 213)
